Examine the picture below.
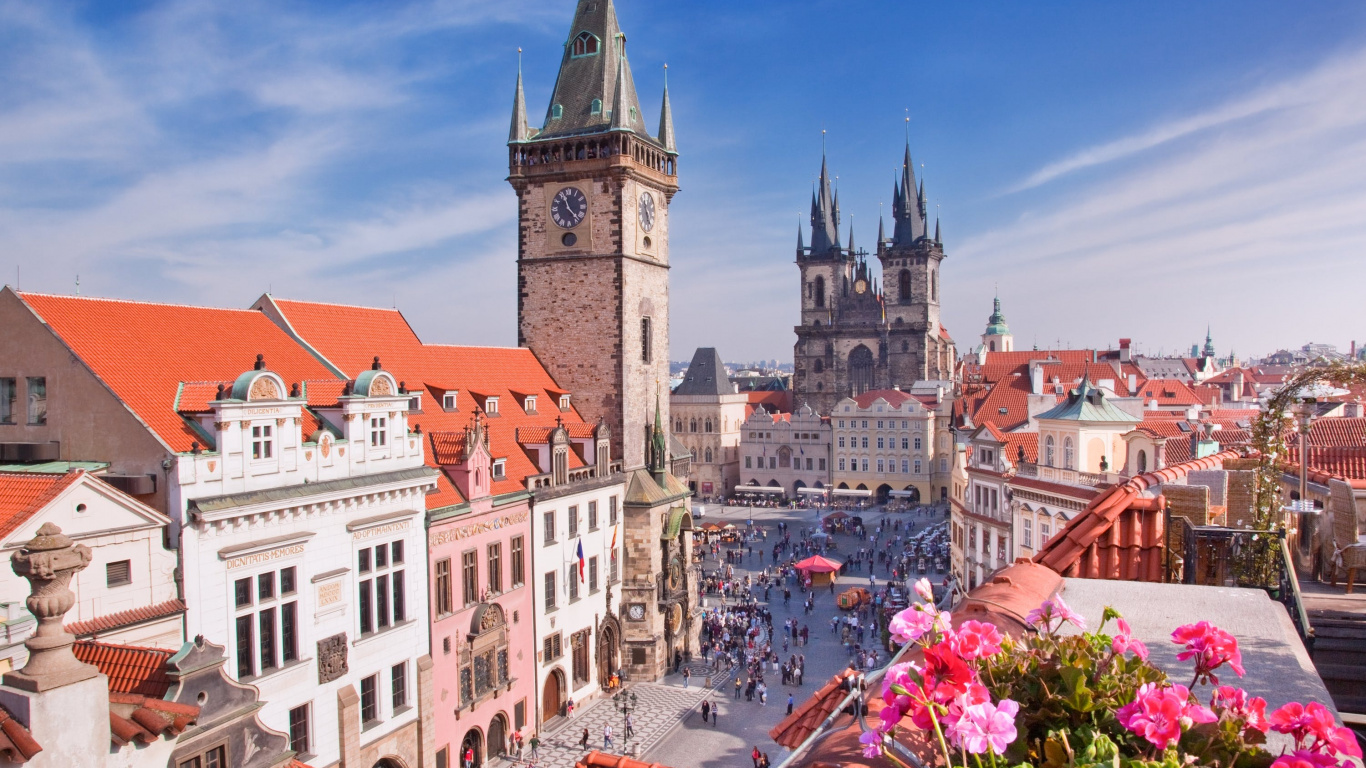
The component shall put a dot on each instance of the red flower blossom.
(1211, 647)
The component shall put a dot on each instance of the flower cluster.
(1084, 699)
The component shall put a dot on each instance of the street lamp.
(1306, 516)
(626, 704)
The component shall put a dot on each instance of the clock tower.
(593, 190)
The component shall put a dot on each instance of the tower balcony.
(599, 151)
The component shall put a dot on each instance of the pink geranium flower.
(1159, 714)
(1304, 759)
(1211, 647)
(1125, 642)
(1312, 725)
(911, 624)
(872, 743)
(975, 640)
(1235, 702)
(925, 590)
(986, 726)
(1053, 613)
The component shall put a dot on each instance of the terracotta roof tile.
(17, 745)
(143, 351)
(350, 337)
(22, 494)
(131, 669)
(1338, 431)
(1347, 462)
(126, 618)
(1120, 535)
(144, 719)
(596, 759)
(806, 718)
(893, 397)
(1168, 392)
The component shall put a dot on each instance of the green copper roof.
(600, 73)
(996, 324)
(679, 520)
(1087, 403)
(56, 467)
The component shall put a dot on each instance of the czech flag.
(580, 554)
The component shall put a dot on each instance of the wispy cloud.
(1247, 213)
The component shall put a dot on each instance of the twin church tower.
(593, 188)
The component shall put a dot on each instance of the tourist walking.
(583, 740)
(606, 738)
(630, 726)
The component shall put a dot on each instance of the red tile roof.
(1346, 462)
(894, 397)
(1338, 431)
(134, 717)
(1168, 392)
(17, 745)
(1026, 441)
(143, 351)
(24, 493)
(807, 717)
(130, 668)
(596, 759)
(1120, 535)
(126, 618)
(350, 338)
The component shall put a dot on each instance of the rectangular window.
(449, 399)
(612, 510)
(118, 574)
(369, 699)
(592, 515)
(917, 443)
(37, 400)
(879, 424)
(905, 466)
(379, 431)
(491, 406)
(415, 403)
(579, 642)
(518, 562)
(469, 568)
(917, 466)
(573, 581)
(573, 522)
(592, 574)
(548, 523)
(214, 757)
(612, 567)
(443, 757)
(298, 730)
(398, 685)
(550, 590)
(865, 442)
(879, 443)
(841, 465)
(382, 594)
(495, 555)
(564, 402)
(9, 396)
(905, 443)
(646, 340)
(1044, 531)
(262, 444)
(519, 715)
(749, 462)
(865, 425)
(808, 465)
(880, 466)
(530, 405)
(266, 623)
(865, 465)
(500, 469)
(821, 465)
(841, 423)
(841, 441)
(444, 595)
(772, 462)
(1028, 533)
(551, 648)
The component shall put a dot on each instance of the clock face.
(568, 207)
(860, 286)
(647, 211)
(636, 611)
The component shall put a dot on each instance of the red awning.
(818, 564)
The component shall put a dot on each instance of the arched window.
(903, 282)
(1048, 451)
(1069, 457)
(1142, 462)
(708, 426)
(596, 108)
(708, 455)
(692, 425)
(556, 112)
(678, 425)
(820, 291)
(585, 44)
(861, 370)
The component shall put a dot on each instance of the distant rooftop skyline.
(1137, 171)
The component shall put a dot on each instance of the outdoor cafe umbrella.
(818, 564)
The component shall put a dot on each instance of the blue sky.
(1114, 169)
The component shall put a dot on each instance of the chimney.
(939, 394)
(1237, 386)
(1036, 378)
(1133, 383)
(1124, 354)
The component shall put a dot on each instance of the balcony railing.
(1066, 476)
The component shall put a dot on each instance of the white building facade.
(304, 547)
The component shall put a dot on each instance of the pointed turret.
(594, 90)
(824, 233)
(921, 201)
(937, 239)
(800, 245)
(666, 117)
(658, 452)
(880, 236)
(520, 131)
(852, 250)
(907, 213)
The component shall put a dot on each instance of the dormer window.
(596, 108)
(262, 442)
(491, 406)
(379, 431)
(529, 404)
(415, 402)
(564, 402)
(586, 44)
(500, 469)
(556, 112)
(448, 400)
